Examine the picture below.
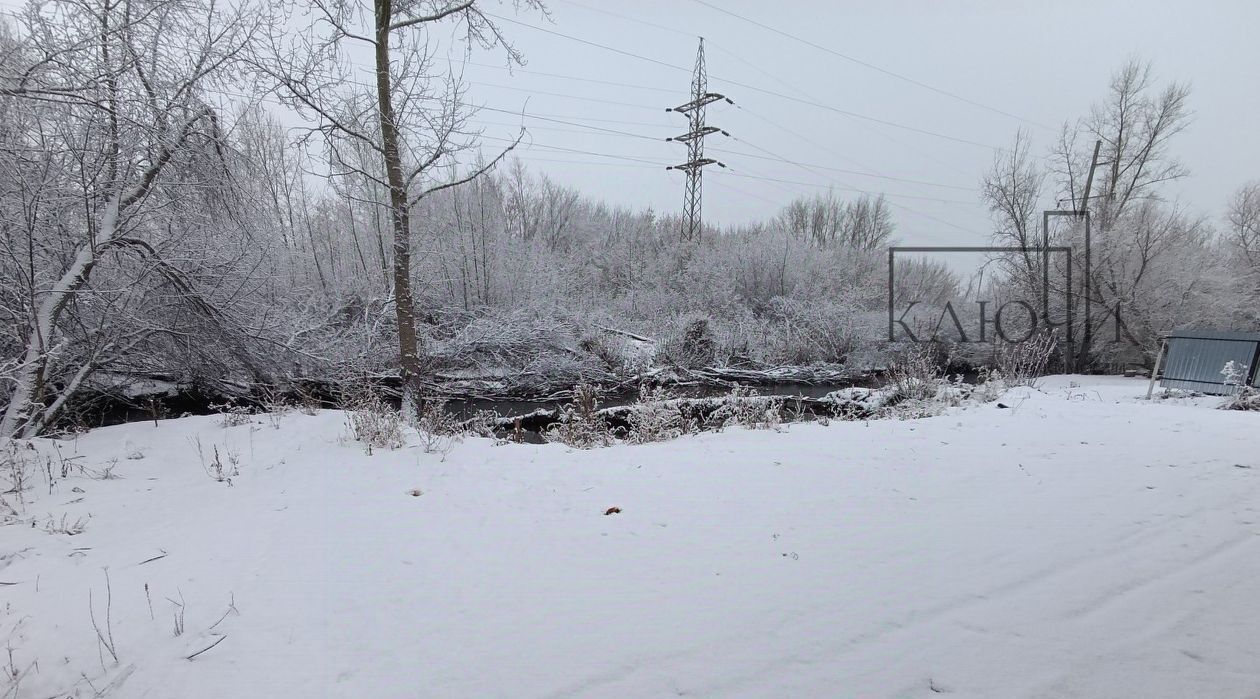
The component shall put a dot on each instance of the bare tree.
(1012, 189)
(412, 120)
(111, 96)
(1243, 218)
(825, 220)
(1133, 229)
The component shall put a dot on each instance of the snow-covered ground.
(1078, 543)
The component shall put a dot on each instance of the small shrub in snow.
(372, 422)
(378, 427)
(915, 376)
(275, 405)
(600, 348)
(855, 403)
(654, 419)
(1024, 363)
(580, 424)
(213, 463)
(989, 385)
(106, 472)
(307, 402)
(1247, 398)
(233, 414)
(693, 348)
(482, 424)
(744, 407)
(1235, 379)
(1234, 376)
(438, 430)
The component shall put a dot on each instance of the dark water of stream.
(102, 410)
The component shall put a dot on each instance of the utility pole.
(694, 138)
(1077, 352)
(1083, 210)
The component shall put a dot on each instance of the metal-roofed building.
(1194, 360)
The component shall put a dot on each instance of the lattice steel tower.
(694, 138)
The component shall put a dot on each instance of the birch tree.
(105, 99)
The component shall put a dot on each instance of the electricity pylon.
(694, 138)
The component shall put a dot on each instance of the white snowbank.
(1080, 543)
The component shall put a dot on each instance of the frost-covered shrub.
(482, 424)
(233, 413)
(1234, 376)
(745, 407)
(372, 422)
(532, 349)
(580, 424)
(989, 385)
(438, 429)
(1242, 396)
(856, 403)
(692, 347)
(1024, 363)
(307, 401)
(598, 347)
(915, 375)
(1247, 398)
(653, 418)
(809, 331)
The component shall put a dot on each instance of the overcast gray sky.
(1044, 62)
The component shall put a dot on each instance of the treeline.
(157, 221)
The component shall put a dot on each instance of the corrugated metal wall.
(1195, 364)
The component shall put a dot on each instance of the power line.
(780, 81)
(560, 76)
(754, 88)
(563, 149)
(746, 193)
(742, 173)
(845, 185)
(859, 173)
(602, 129)
(846, 57)
(775, 78)
(567, 120)
(533, 91)
(867, 170)
(534, 158)
(874, 173)
(736, 173)
(564, 130)
(872, 66)
(587, 42)
(627, 18)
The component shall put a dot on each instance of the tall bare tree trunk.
(404, 305)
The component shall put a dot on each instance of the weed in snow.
(65, 526)
(215, 468)
(104, 638)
